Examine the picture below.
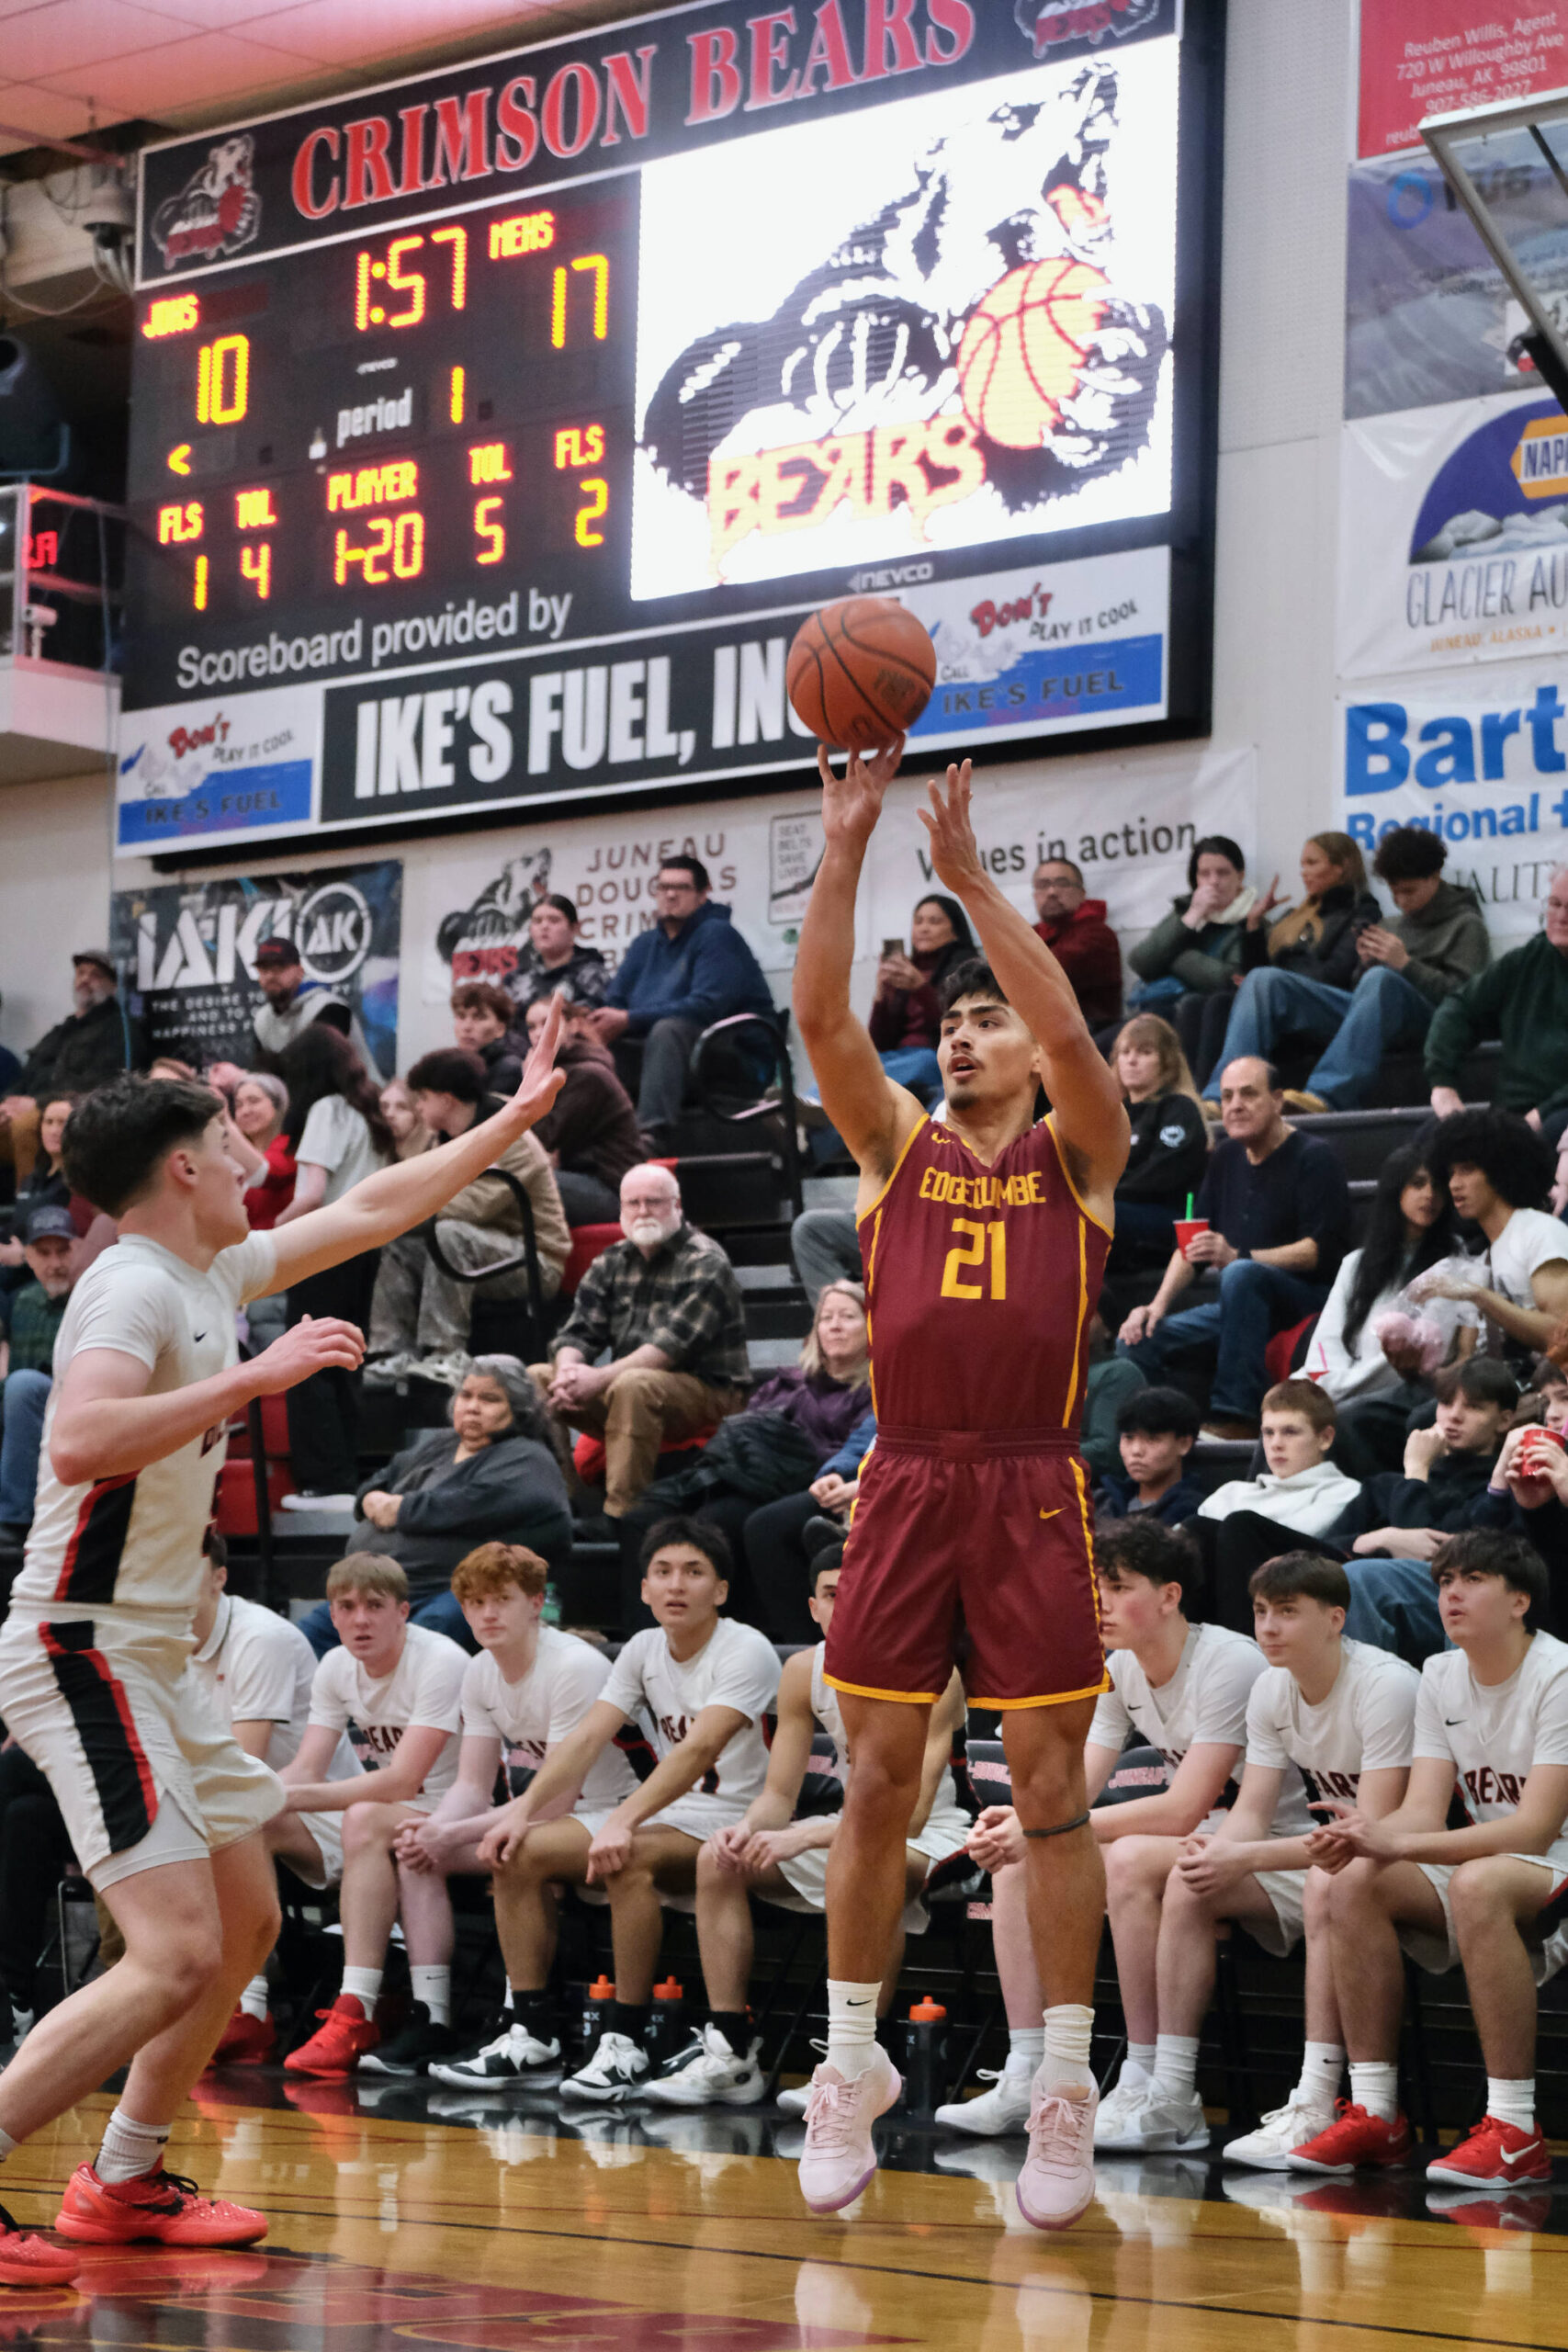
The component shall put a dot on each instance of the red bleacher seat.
(588, 1452)
(587, 1242)
(234, 1503)
(1280, 1357)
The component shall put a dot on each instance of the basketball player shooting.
(984, 1237)
(164, 1807)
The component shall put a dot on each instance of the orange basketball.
(1024, 347)
(859, 673)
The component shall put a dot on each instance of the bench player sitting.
(1342, 1714)
(705, 1683)
(527, 1691)
(1492, 1714)
(393, 1688)
(259, 1669)
(1184, 1688)
(768, 1853)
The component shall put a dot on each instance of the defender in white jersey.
(164, 1808)
(768, 1853)
(703, 1684)
(392, 1691)
(1339, 1716)
(527, 1691)
(1491, 1724)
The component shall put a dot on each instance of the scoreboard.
(492, 432)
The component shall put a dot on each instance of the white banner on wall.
(1453, 536)
(1486, 765)
(1130, 824)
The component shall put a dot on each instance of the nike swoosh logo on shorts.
(197, 1335)
(1449, 1721)
(1053, 1514)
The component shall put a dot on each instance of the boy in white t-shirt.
(1488, 1158)
(395, 1690)
(1184, 1688)
(769, 1852)
(1341, 1717)
(527, 1691)
(1491, 1715)
(704, 1684)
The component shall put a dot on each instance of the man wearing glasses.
(690, 968)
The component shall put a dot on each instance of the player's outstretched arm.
(396, 1198)
(875, 1117)
(1085, 1098)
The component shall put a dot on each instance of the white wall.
(1288, 109)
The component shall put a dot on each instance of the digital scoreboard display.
(492, 433)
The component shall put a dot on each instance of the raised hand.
(541, 1082)
(955, 854)
(1261, 908)
(851, 803)
(314, 1344)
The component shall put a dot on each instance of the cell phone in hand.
(893, 948)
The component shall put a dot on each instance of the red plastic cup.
(1532, 1458)
(1186, 1228)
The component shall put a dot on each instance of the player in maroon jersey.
(984, 1237)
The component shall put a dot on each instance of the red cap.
(669, 1991)
(925, 2012)
(602, 1989)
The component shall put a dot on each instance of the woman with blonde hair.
(1171, 1143)
(1304, 964)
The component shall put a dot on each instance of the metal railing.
(61, 568)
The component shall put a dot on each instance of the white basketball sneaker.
(1282, 2128)
(1002, 2109)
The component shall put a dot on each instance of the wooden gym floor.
(491, 2227)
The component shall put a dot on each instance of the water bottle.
(666, 2032)
(598, 2001)
(925, 2060)
(550, 1613)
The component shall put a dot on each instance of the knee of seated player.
(369, 1827)
(1483, 1892)
(1137, 1865)
(1317, 1898)
(1354, 1893)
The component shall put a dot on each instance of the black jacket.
(85, 1050)
(1170, 1151)
(1446, 1499)
(510, 1492)
(1331, 957)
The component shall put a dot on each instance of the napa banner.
(1484, 766)
(188, 950)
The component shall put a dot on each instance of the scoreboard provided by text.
(494, 432)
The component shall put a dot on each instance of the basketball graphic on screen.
(859, 673)
(1024, 350)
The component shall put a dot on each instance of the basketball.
(859, 673)
(1023, 350)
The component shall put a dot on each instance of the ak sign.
(494, 432)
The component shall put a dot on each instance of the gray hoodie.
(1448, 942)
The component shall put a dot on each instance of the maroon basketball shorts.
(971, 1548)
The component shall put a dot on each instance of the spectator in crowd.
(30, 1319)
(1112, 1379)
(1492, 1728)
(1277, 1210)
(1386, 997)
(337, 1135)
(257, 1141)
(706, 1685)
(824, 1246)
(590, 1133)
(665, 1305)
(1074, 928)
(292, 1003)
(395, 1689)
(1171, 1142)
(783, 1539)
(421, 1318)
(1315, 943)
(1190, 963)
(526, 1691)
(690, 968)
(1342, 1719)
(97, 1040)
(905, 1017)
(1242, 1522)
(45, 1186)
(1156, 1431)
(401, 1114)
(1371, 1367)
(1523, 997)
(556, 958)
(35, 1853)
(483, 1019)
(1527, 1495)
(492, 1478)
(1498, 1170)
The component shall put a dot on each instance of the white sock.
(851, 2025)
(129, 2148)
(253, 2000)
(1176, 2065)
(1138, 2066)
(365, 1983)
(1026, 2047)
(1322, 2064)
(1512, 2102)
(433, 1985)
(1064, 2063)
(1375, 2086)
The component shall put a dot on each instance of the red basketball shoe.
(28, 2260)
(1496, 2156)
(346, 2034)
(158, 2205)
(1354, 2138)
(246, 2041)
